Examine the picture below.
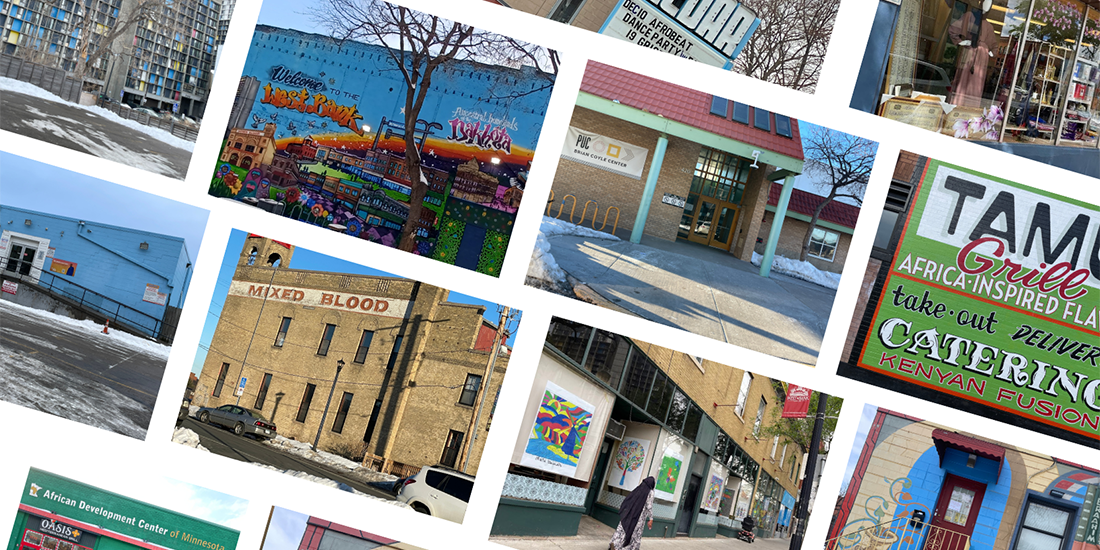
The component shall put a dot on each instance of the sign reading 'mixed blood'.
(374, 305)
(992, 297)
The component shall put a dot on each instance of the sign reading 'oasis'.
(993, 297)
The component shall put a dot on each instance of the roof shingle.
(805, 202)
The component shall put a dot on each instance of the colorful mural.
(626, 469)
(558, 434)
(670, 473)
(316, 135)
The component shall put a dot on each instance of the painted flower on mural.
(631, 456)
(354, 227)
(293, 194)
(980, 127)
(222, 170)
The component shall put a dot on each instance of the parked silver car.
(239, 419)
(438, 491)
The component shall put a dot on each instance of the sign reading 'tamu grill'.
(992, 297)
(76, 503)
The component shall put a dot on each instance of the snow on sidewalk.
(20, 87)
(800, 270)
(188, 438)
(544, 270)
(91, 330)
(330, 483)
(303, 450)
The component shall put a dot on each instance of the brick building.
(716, 172)
(962, 491)
(712, 464)
(414, 366)
(246, 148)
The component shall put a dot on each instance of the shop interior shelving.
(1040, 84)
(1078, 126)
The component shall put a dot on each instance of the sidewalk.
(593, 535)
(702, 290)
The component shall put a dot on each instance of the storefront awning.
(951, 440)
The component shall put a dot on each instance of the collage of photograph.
(791, 274)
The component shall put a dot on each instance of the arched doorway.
(246, 163)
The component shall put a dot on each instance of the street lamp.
(339, 367)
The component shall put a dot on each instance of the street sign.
(175, 107)
(240, 388)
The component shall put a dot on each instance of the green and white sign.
(114, 513)
(992, 297)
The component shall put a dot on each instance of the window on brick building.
(261, 395)
(761, 119)
(307, 398)
(823, 244)
(221, 380)
(364, 346)
(451, 449)
(719, 106)
(741, 113)
(326, 339)
(393, 354)
(783, 125)
(743, 393)
(565, 11)
(369, 434)
(469, 391)
(342, 413)
(284, 326)
(759, 416)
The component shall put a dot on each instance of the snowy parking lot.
(33, 112)
(71, 369)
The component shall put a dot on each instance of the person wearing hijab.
(636, 511)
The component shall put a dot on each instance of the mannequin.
(976, 40)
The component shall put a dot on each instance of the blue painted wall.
(927, 476)
(109, 259)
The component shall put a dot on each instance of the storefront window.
(639, 379)
(678, 412)
(569, 338)
(661, 397)
(691, 424)
(607, 357)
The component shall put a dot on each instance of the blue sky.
(192, 500)
(304, 259)
(285, 530)
(84, 197)
(865, 420)
(806, 182)
(288, 14)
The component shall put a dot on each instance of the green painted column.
(777, 225)
(650, 185)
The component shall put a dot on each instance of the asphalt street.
(223, 442)
(63, 124)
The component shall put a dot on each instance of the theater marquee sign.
(708, 31)
(993, 297)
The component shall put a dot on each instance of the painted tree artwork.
(558, 433)
(626, 469)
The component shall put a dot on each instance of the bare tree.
(789, 46)
(97, 40)
(842, 163)
(419, 44)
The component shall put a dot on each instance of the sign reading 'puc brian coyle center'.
(992, 297)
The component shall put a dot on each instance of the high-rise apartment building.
(163, 60)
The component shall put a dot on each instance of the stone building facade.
(415, 366)
(700, 418)
(941, 488)
(248, 148)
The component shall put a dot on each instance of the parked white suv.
(438, 491)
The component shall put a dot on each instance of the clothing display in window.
(975, 38)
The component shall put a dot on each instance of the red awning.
(969, 445)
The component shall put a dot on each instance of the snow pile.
(18, 86)
(801, 270)
(552, 227)
(188, 438)
(89, 330)
(330, 483)
(544, 272)
(304, 450)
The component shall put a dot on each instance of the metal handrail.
(95, 303)
(900, 534)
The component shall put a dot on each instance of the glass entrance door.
(707, 221)
(20, 259)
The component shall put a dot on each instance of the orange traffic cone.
(105, 324)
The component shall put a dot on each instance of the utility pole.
(498, 340)
(324, 415)
(802, 507)
(244, 361)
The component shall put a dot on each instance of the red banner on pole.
(798, 402)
